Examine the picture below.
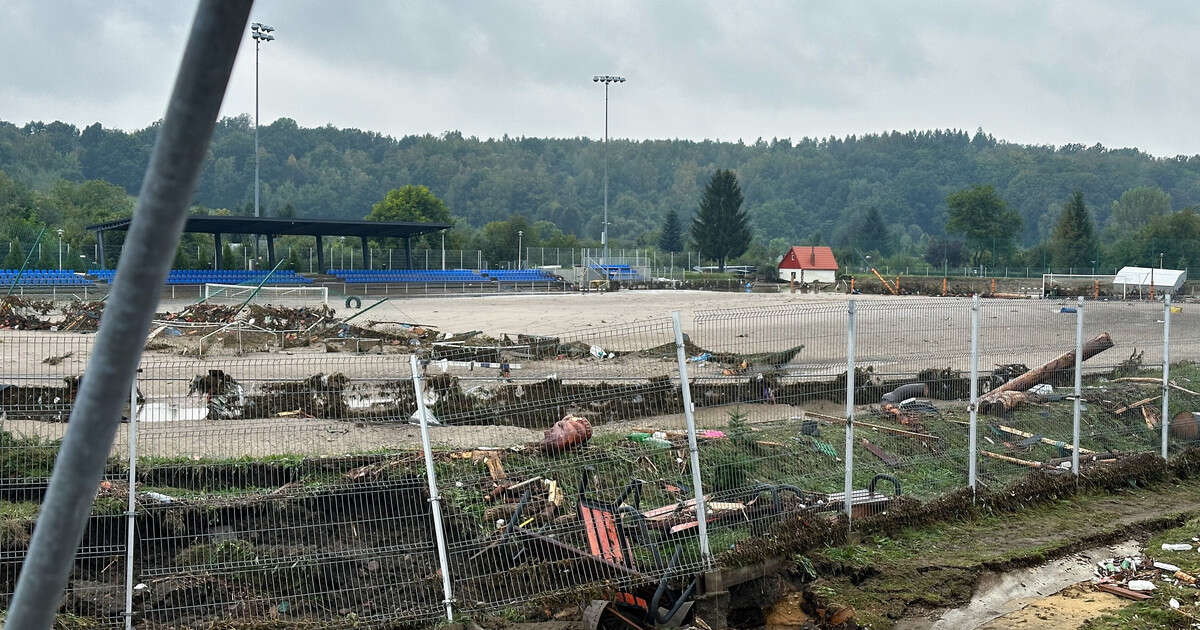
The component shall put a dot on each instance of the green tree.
(16, 255)
(984, 221)
(721, 228)
(1137, 206)
(671, 238)
(1073, 243)
(410, 203)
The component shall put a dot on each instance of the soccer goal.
(1074, 285)
(238, 293)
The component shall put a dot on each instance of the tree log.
(1003, 402)
(1064, 361)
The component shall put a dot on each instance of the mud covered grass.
(1156, 612)
(886, 576)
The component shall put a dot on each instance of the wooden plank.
(1043, 440)
(859, 423)
(1121, 591)
(1014, 460)
(1120, 410)
(879, 452)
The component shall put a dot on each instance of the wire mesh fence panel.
(40, 377)
(912, 391)
(1019, 430)
(1119, 408)
(769, 385)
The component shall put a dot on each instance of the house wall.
(808, 275)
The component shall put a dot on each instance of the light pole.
(260, 33)
(606, 80)
(60, 232)
(520, 235)
(1160, 260)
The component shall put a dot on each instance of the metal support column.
(1166, 380)
(435, 498)
(366, 254)
(131, 513)
(217, 248)
(100, 249)
(408, 251)
(270, 250)
(1078, 386)
(693, 447)
(849, 480)
(321, 268)
(973, 456)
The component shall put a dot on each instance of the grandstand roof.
(209, 224)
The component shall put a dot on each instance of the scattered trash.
(711, 434)
(55, 360)
(430, 419)
(158, 496)
(1141, 586)
(1041, 389)
(1176, 547)
(700, 358)
(1166, 567)
(1173, 603)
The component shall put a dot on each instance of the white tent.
(1140, 279)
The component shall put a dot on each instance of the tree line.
(905, 198)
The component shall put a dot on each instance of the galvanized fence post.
(974, 407)
(1166, 379)
(1078, 386)
(849, 480)
(435, 498)
(131, 513)
(693, 449)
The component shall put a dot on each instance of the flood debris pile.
(80, 316)
(326, 396)
(19, 313)
(40, 402)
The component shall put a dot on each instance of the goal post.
(238, 293)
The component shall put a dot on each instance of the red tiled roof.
(809, 257)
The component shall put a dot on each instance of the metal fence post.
(1078, 386)
(974, 407)
(435, 499)
(1166, 380)
(849, 481)
(693, 449)
(131, 513)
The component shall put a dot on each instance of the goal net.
(238, 293)
(1075, 285)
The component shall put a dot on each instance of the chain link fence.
(404, 482)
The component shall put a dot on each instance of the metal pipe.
(149, 250)
(131, 513)
(435, 499)
(1166, 379)
(689, 414)
(849, 480)
(974, 407)
(1078, 386)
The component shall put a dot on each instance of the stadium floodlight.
(260, 33)
(606, 79)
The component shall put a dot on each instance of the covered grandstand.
(271, 227)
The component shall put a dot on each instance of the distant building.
(808, 264)
(1140, 279)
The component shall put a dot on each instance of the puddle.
(1036, 597)
(170, 412)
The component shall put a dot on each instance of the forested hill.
(805, 191)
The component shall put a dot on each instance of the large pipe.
(141, 272)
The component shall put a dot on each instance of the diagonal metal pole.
(148, 252)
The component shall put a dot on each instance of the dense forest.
(884, 193)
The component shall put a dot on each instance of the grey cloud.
(1100, 71)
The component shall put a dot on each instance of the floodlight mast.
(260, 33)
(606, 79)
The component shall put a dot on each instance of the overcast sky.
(1118, 73)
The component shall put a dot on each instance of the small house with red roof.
(808, 264)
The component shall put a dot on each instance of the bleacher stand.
(618, 272)
(43, 278)
(216, 276)
(401, 276)
(519, 275)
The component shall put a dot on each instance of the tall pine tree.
(1073, 243)
(671, 239)
(721, 229)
